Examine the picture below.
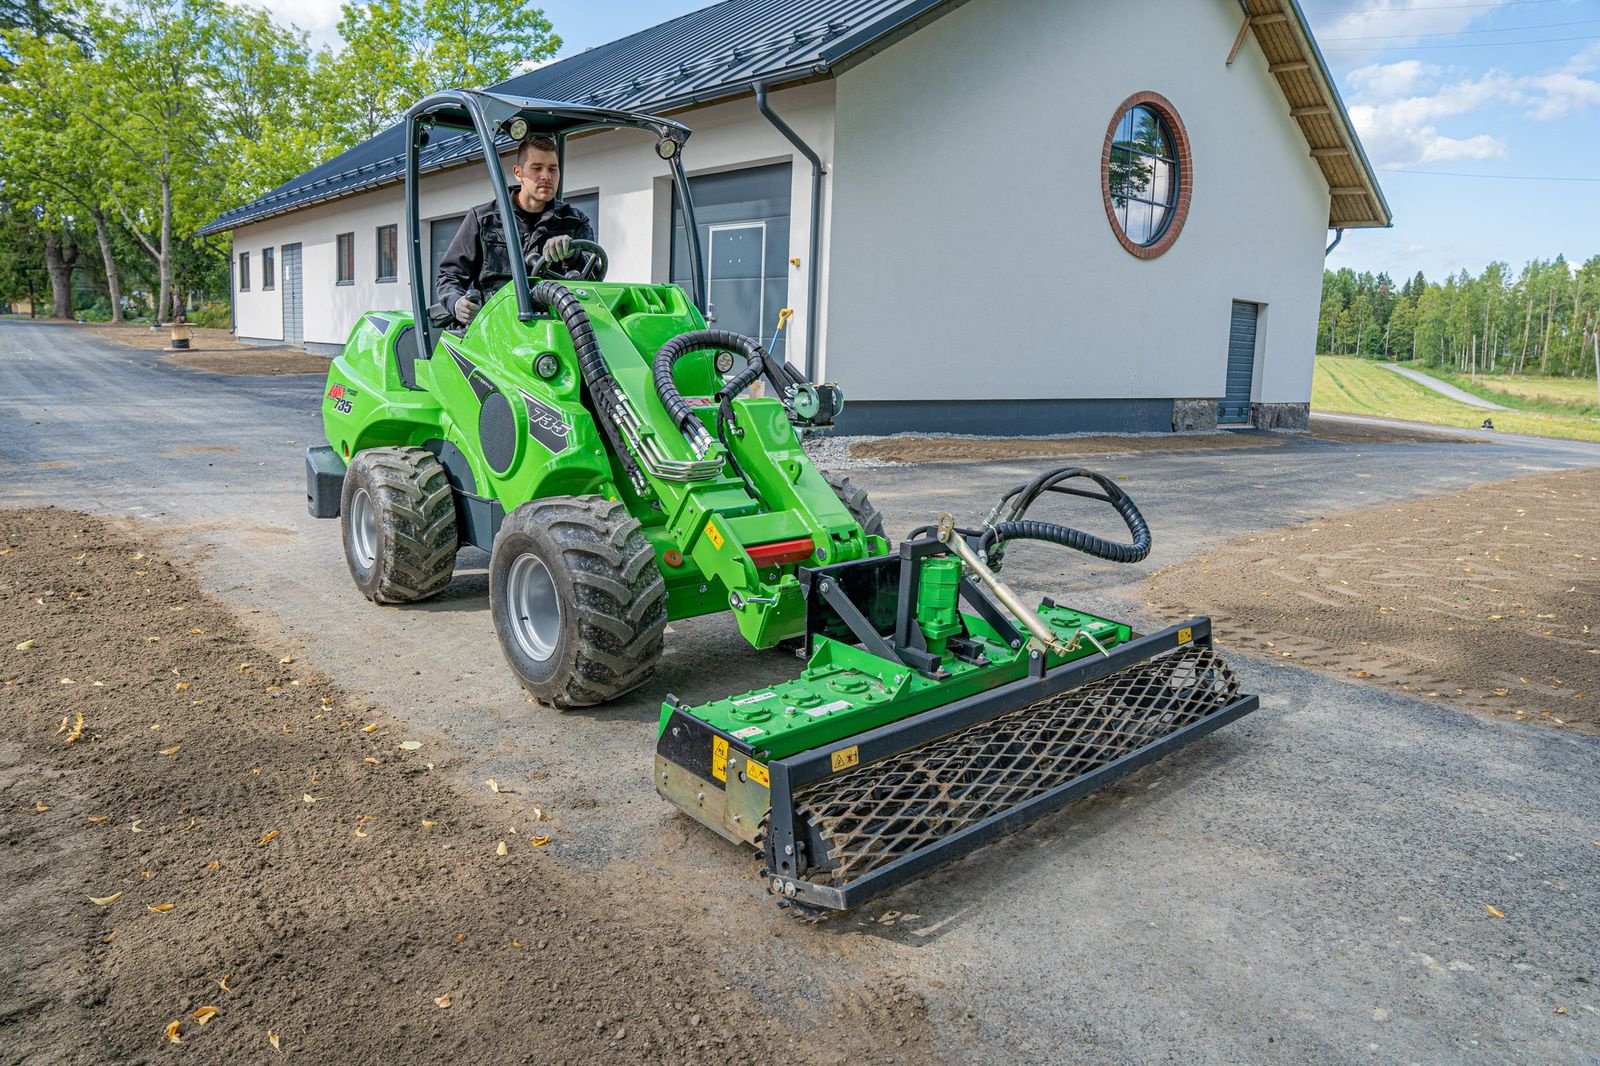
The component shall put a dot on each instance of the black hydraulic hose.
(1028, 529)
(699, 340)
(556, 299)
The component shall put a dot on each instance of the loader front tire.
(578, 601)
(398, 521)
(858, 503)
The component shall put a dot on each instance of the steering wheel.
(592, 264)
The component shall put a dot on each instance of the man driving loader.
(477, 257)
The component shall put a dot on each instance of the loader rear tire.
(398, 521)
(858, 503)
(578, 601)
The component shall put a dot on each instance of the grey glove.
(557, 248)
(466, 310)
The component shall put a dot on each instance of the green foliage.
(212, 316)
(1545, 319)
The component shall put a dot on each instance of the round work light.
(547, 366)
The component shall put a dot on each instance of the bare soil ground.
(193, 819)
(1488, 599)
(909, 448)
(252, 361)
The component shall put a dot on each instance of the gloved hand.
(466, 310)
(557, 248)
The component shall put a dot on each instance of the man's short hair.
(535, 142)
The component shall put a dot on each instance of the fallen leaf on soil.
(160, 908)
(268, 838)
(147, 874)
(214, 865)
(427, 824)
(308, 798)
(172, 750)
(191, 825)
(105, 901)
(76, 733)
(197, 631)
(1493, 911)
(370, 728)
(244, 668)
(25, 645)
(359, 832)
(222, 982)
(539, 841)
(538, 815)
(272, 1038)
(204, 1014)
(65, 681)
(501, 849)
(40, 806)
(1561, 1010)
(494, 786)
(181, 686)
(135, 826)
(444, 1000)
(96, 819)
(172, 1030)
(515, 942)
(109, 937)
(410, 745)
(1362, 673)
(286, 660)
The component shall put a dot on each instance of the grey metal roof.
(705, 55)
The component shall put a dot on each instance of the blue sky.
(1508, 90)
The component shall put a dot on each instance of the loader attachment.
(936, 713)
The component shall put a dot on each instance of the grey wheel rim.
(364, 529)
(534, 607)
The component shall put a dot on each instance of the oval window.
(1146, 175)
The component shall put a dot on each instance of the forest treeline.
(126, 127)
(1545, 319)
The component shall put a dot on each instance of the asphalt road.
(1444, 388)
(1308, 884)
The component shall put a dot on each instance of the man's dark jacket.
(477, 259)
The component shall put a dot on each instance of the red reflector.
(781, 551)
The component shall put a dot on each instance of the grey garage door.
(1235, 405)
(440, 230)
(743, 216)
(294, 303)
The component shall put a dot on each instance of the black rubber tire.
(858, 503)
(415, 512)
(611, 595)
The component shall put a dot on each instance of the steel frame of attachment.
(784, 847)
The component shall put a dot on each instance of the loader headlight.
(547, 365)
(666, 147)
(517, 129)
(723, 362)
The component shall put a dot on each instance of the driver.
(476, 257)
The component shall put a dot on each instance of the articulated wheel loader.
(598, 440)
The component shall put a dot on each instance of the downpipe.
(812, 274)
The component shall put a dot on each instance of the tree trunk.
(59, 262)
(113, 283)
(164, 261)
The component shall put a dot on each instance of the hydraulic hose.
(554, 298)
(700, 340)
(1016, 527)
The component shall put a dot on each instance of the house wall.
(971, 255)
(635, 214)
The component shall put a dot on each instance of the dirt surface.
(1385, 433)
(142, 336)
(252, 362)
(908, 448)
(329, 888)
(1488, 598)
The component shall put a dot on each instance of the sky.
(1477, 114)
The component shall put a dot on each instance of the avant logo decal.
(546, 424)
(341, 399)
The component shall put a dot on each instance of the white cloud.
(1386, 81)
(319, 18)
(1398, 22)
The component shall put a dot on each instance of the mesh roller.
(896, 806)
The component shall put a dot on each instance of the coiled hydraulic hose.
(554, 298)
(700, 340)
(1013, 526)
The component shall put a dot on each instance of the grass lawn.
(1362, 387)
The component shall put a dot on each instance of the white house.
(1028, 216)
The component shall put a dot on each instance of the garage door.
(440, 230)
(1235, 405)
(743, 216)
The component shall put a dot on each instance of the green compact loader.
(600, 442)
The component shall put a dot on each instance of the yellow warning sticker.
(1185, 635)
(719, 758)
(713, 535)
(845, 758)
(757, 772)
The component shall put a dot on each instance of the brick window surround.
(1180, 210)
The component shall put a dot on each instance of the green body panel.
(845, 691)
(701, 530)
